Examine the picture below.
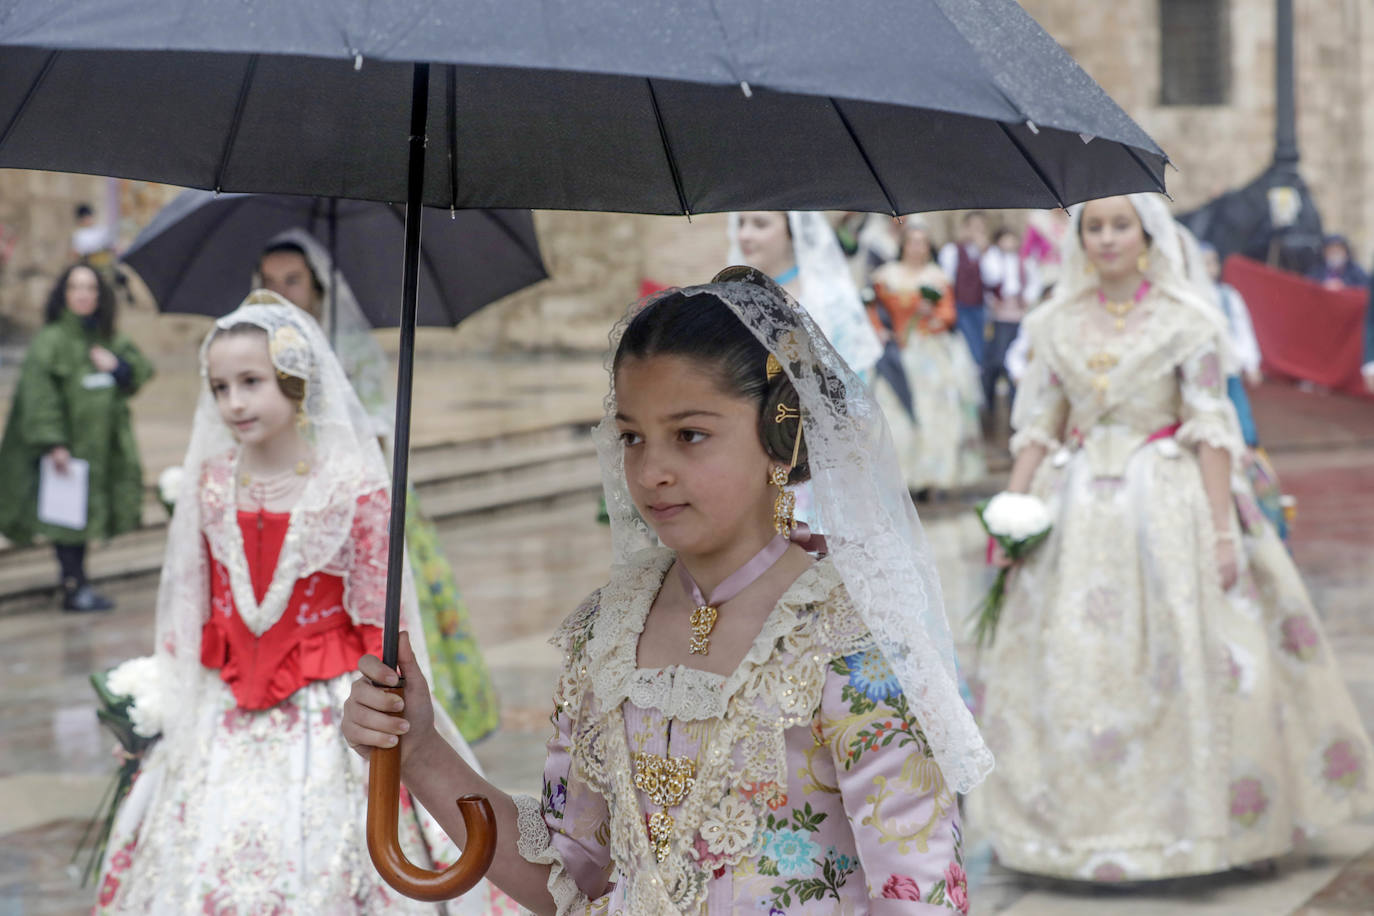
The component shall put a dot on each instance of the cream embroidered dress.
(807, 787)
(1145, 723)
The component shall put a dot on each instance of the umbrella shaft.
(405, 369)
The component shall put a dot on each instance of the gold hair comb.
(772, 369)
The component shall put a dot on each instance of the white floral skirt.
(261, 813)
(1146, 724)
(946, 444)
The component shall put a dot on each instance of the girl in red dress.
(273, 588)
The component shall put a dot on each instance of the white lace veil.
(348, 331)
(828, 289)
(872, 532)
(348, 465)
(1175, 266)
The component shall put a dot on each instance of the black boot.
(81, 598)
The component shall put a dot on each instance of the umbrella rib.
(1035, 166)
(853, 136)
(1141, 162)
(668, 150)
(452, 113)
(185, 266)
(28, 96)
(239, 105)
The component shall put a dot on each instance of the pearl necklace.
(269, 489)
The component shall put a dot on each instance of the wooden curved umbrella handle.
(384, 845)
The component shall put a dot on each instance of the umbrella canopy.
(655, 107)
(198, 253)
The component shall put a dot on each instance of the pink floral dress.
(813, 791)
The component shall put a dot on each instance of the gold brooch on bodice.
(667, 781)
(1100, 364)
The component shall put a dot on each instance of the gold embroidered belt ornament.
(667, 781)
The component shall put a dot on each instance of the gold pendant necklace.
(1120, 310)
(706, 613)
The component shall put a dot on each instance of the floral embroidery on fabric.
(555, 797)
(1341, 764)
(1298, 637)
(1249, 801)
(871, 675)
(901, 887)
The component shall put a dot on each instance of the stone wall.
(1217, 148)
(37, 210)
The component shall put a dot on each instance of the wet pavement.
(522, 572)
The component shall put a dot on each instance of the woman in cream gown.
(1160, 696)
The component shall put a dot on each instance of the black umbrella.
(198, 253)
(673, 106)
(657, 106)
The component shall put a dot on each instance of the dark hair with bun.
(703, 329)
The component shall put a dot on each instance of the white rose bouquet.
(1018, 523)
(168, 486)
(131, 706)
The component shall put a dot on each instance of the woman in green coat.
(72, 401)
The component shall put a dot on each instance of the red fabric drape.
(1304, 331)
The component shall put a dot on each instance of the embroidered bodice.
(1108, 390)
(278, 621)
(813, 788)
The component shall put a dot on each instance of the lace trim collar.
(679, 691)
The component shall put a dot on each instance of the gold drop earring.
(784, 504)
(1142, 263)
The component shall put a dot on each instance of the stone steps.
(453, 480)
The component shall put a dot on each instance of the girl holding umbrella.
(795, 741)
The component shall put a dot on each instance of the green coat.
(59, 401)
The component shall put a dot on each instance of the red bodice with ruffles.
(314, 640)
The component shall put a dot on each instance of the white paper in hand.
(62, 497)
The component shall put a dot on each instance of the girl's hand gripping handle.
(383, 842)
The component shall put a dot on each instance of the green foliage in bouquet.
(931, 294)
(114, 713)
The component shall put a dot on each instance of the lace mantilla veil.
(832, 299)
(1175, 266)
(348, 464)
(861, 506)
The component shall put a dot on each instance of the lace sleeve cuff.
(1213, 431)
(536, 847)
(1032, 436)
